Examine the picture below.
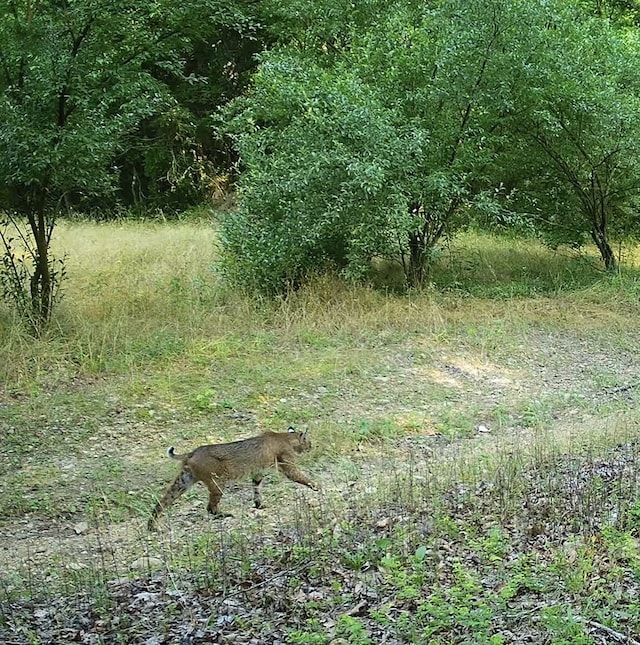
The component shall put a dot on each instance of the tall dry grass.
(137, 291)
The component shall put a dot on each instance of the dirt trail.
(576, 380)
(33, 549)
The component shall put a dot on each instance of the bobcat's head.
(300, 441)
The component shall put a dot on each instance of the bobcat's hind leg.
(215, 487)
(182, 483)
(257, 478)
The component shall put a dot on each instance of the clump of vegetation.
(474, 445)
(376, 138)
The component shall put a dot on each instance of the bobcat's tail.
(171, 453)
(181, 484)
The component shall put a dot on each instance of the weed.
(352, 629)
(455, 423)
(494, 546)
(535, 413)
(373, 430)
(632, 517)
(563, 628)
(312, 634)
(207, 401)
(458, 608)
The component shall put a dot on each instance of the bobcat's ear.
(291, 429)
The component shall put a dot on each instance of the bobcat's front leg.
(292, 473)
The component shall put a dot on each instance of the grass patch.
(474, 443)
(498, 267)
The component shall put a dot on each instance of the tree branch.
(619, 636)
(476, 85)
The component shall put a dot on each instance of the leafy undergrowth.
(536, 550)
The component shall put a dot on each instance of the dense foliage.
(575, 153)
(101, 95)
(360, 130)
(376, 139)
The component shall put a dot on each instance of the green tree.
(577, 164)
(369, 136)
(377, 129)
(76, 80)
(62, 117)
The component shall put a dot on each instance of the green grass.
(427, 529)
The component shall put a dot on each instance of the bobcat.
(214, 465)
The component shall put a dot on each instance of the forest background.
(407, 226)
(352, 132)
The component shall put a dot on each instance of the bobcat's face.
(300, 441)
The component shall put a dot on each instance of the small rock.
(483, 429)
(118, 582)
(147, 562)
(76, 566)
(383, 523)
(153, 640)
(81, 528)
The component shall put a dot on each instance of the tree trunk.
(597, 207)
(417, 259)
(601, 240)
(41, 282)
(429, 229)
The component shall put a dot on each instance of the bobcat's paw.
(218, 515)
